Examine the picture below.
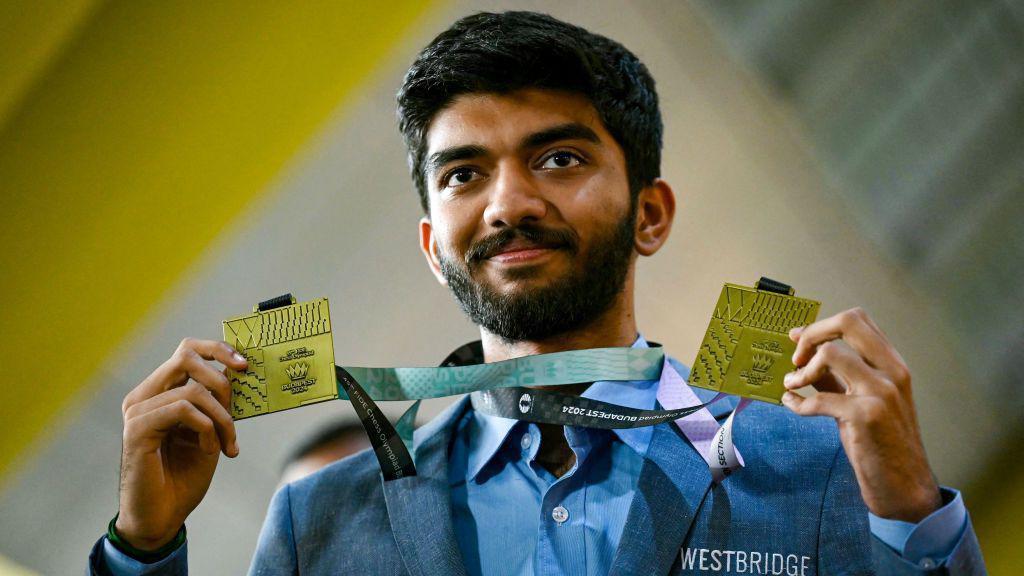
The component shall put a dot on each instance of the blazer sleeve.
(275, 550)
(965, 559)
(845, 538)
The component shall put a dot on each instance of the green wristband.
(144, 556)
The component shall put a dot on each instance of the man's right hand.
(176, 423)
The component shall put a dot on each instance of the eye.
(458, 177)
(562, 159)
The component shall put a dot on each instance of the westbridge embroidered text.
(744, 562)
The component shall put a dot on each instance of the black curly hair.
(504, 52)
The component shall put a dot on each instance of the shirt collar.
(488, 433)
(640, 394)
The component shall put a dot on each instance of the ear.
(428, 245)
(656, 208)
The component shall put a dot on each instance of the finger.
(849, 367)
(839, 406)
(835, 367)
(203, 400)
(174, 372)
(218, 413)
(828, 382)
(214, 380)
(896, 370)
(220, 351)
(851, 327)
(814, 372)
(183, 413)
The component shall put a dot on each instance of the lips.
(521, 251)
(521, 247)
(521, 244)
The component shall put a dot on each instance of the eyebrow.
(442, 157)
(567, 131)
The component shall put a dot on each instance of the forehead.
(498, 121)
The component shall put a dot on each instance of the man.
(535, 148)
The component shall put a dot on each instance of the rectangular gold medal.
(746, 350)
(291, 357)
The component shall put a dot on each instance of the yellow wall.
(34, 35)
(134, 148)
(997, 512)
(8, 568)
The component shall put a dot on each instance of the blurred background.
(165, 165)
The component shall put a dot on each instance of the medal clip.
(277, 302)
(774, 286)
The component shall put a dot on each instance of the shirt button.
(526, 441)
(927, 563)
(560, 514)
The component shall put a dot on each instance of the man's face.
(531, 223)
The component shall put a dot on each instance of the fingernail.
(239, 357)
(794, 357)
(787, 380)
(788, 398)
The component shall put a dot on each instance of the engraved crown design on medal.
(762, 362)
(297, 371)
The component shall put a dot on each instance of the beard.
(565, 303)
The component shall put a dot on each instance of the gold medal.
(291, 356)
(746, 350)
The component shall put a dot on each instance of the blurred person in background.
(535, 148)
(330, 443)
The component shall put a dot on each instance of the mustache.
(547, 237)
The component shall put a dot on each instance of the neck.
(614, 328)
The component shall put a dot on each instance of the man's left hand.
(863, 383)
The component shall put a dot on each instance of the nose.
(514, 198)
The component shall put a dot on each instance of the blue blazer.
(796, 506)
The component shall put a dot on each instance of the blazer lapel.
(673, 483)
(419, 507)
